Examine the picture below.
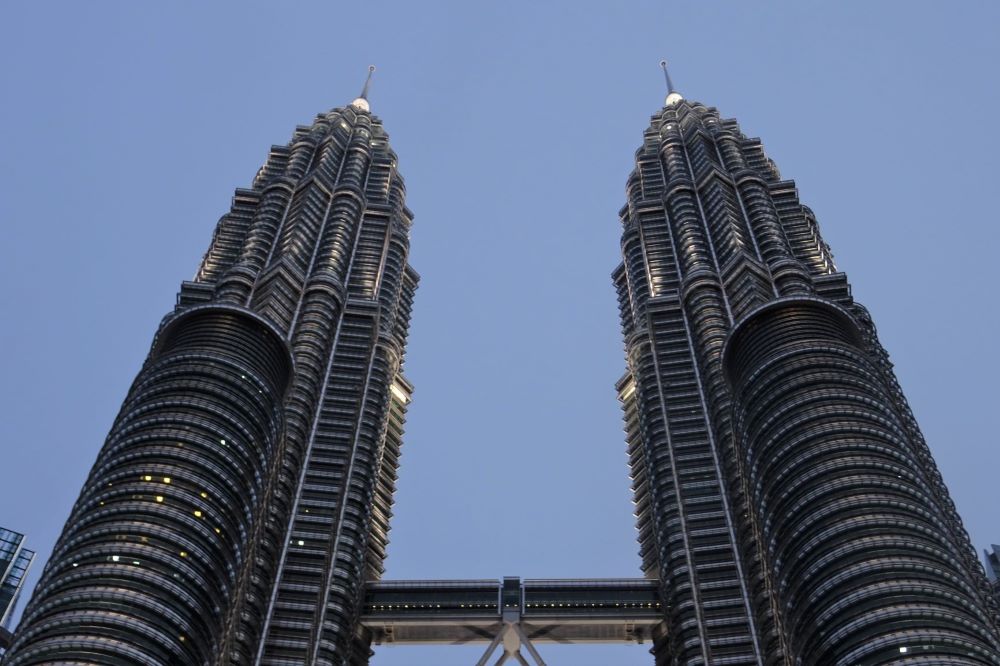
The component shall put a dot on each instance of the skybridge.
(512, 614)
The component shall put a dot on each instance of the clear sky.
(125, 127)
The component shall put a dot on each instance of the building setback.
(785, 497)
(244, 491)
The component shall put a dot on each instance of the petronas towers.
(786, 501)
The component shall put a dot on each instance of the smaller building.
(15, 560)
(992, 557)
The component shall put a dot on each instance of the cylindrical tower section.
(863, 569)
(144, 570)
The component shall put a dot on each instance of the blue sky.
(125, 128)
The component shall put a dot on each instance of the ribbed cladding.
(715, 213)
(648, 549)
(863, 561)
(770, 242)
(330, 228)
(143, 571)
(674, 316)
(245, 238)
(378, 537)
(348, 333)
(231, 233)
(300, 288)
(959, 536)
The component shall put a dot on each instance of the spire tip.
(368, 82)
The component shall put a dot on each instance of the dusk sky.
(125, 128)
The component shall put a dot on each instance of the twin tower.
(789, 511)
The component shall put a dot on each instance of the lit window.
(400, 394)
(166, 479)
(147, 478)
(184, 553)
(159, 498)
(197, 514)
(114, 558)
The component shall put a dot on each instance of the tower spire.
(672, 95)
(361, 103)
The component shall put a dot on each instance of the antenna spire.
(672, 95)
(361, 103)
(368, 82)
(666, 75)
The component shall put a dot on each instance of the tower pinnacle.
(361, 103)
(672, 96)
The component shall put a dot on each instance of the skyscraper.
(244, 491)
(785, 497)
(15, 560)
(992, 559)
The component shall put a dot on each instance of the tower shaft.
(785, 497)
(243, 495)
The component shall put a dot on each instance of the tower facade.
(243, 494)
(785, 497)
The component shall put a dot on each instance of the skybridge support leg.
(527, 644)
(513, 638)
(489, 651)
